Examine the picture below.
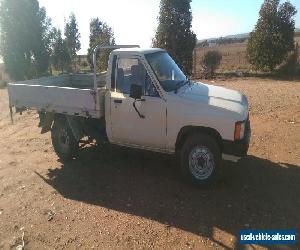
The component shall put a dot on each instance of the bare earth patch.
(122, 198)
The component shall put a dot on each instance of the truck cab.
(148, 103)
(169, 104)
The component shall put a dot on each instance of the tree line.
(31, 47)
(221, 41)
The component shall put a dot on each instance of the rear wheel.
(201, 159)
(64, 143)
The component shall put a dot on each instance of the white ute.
(143, 101)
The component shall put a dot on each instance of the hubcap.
(201, 162)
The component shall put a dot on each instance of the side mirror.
(136, 91)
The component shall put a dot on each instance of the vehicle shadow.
(254, 194)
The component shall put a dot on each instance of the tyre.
(63, 140)
(200, 159)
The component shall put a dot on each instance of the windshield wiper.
(180, 84)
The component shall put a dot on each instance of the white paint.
(197, 104)
(55, 99)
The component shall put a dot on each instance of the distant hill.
(237, 36)
(243, 35)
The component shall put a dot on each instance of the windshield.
(166, 70)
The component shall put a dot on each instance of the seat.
(136, 74)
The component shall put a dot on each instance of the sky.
(135, 21)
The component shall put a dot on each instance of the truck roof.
(139, 50)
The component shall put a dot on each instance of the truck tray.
(56, 99)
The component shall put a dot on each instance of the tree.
(42, 49)
(72, 37)
(174, 32)
(22, 42)
(52, 39)
(60, 58)
(273, 37)
(100, 33)
(211, 61)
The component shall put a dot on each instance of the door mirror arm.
(138, 112)
(136, 92)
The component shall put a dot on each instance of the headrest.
(136, 71)
(120, 72)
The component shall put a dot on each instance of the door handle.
(118, 101)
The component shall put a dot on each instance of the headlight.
(239, 130)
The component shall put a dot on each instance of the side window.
(150, 90)
(132, 71)
(127, 73)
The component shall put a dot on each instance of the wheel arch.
(47, 119)
(189, 130)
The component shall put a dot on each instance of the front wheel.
(63, 140)
(201, 159)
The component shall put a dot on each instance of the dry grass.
(234, 57)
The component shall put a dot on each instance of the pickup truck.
(142, 101)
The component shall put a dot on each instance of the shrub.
(211, 62)
(290, 67)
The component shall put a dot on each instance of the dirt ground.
(125, 199)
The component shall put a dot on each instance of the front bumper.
(238, 148)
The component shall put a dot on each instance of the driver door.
(127, 127)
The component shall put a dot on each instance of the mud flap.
(46, 120)
(11, 115)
